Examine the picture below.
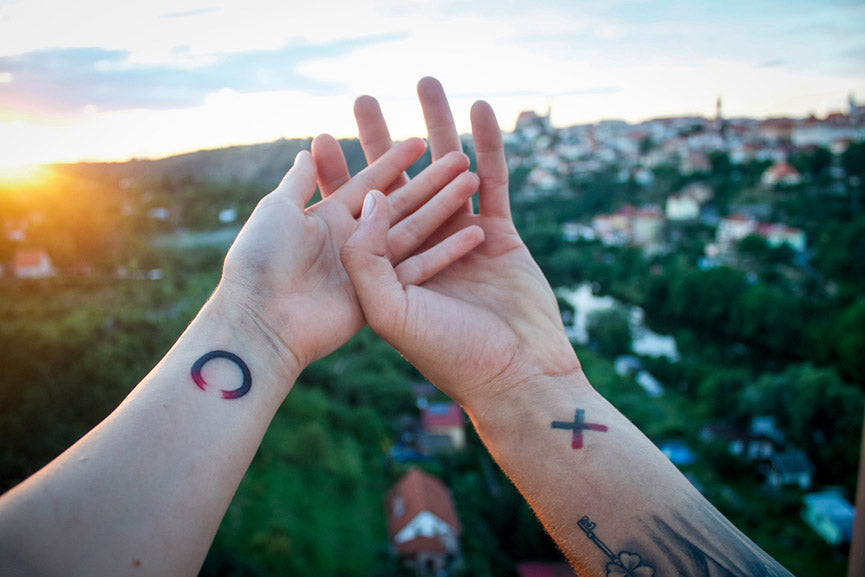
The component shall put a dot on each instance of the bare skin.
(487, 331)
(145, 491)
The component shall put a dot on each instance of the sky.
(112, 80)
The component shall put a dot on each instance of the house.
(423, 391)
(830, 515)
(646, 225)
(775, 129)
(695, 161)
(678, 452)
(227, 215)
(574, 231)
(752, 445)
(422, 524)
(402, 453)
(15, 229)
(777, 234)
(629, 224)
(543, 179)
(650, 384)
(445, 420)
(781, 173)
(734, 228)
(627, 364)
(790, 468)
(31, 263)
(699, 191)
(544, 569)
(682, 207)
(531, 125)
(613, 229)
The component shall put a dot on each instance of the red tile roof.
(414, 493)
(29, 258)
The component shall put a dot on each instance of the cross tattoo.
(578, 426)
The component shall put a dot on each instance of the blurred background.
(689, 176)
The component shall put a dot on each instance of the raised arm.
(144, 492)
(487, 332)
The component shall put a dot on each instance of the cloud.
(773, 63)
(72, 81)
(189, 13)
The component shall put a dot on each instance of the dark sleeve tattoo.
(726, 553)
(687, 550)
(578, 426)
(245, 385)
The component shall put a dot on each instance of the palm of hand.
(285, 270)
(285, 264)
(482, 325)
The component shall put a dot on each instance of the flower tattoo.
(628, 565)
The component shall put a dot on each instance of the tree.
(768, 319)
(720, 393)
(853, 159)
(610, 329)
(814, 163)
(839, 248)
(818, 413)
(755, 247)
(849, 338)
(704, 298)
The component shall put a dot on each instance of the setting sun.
(23, 176)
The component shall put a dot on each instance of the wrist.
(553, 366)
(511, 422)
(235, 328)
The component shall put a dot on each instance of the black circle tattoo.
(226, 394)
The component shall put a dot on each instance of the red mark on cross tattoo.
(578, 426)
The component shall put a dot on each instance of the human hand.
(375, 137)
(489, 321)
(283, 271)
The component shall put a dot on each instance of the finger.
(410, 233)
(404, 201)
(441, 129)
(372, 128)
(330, 163)
(422, 267)
(373, 133)
(364, 257)
(298, 184)
(380, 174)
(492, 168)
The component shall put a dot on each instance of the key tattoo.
(623, 564)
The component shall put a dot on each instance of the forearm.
(145, 491)
(602, 489)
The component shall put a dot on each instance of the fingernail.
(368, 205)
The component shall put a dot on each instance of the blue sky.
(94, 79)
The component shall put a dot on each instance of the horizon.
(95, 82)
(505, 129)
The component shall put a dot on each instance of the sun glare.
(24, 176)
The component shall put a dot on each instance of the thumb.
(298, 184)
(364, 256)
